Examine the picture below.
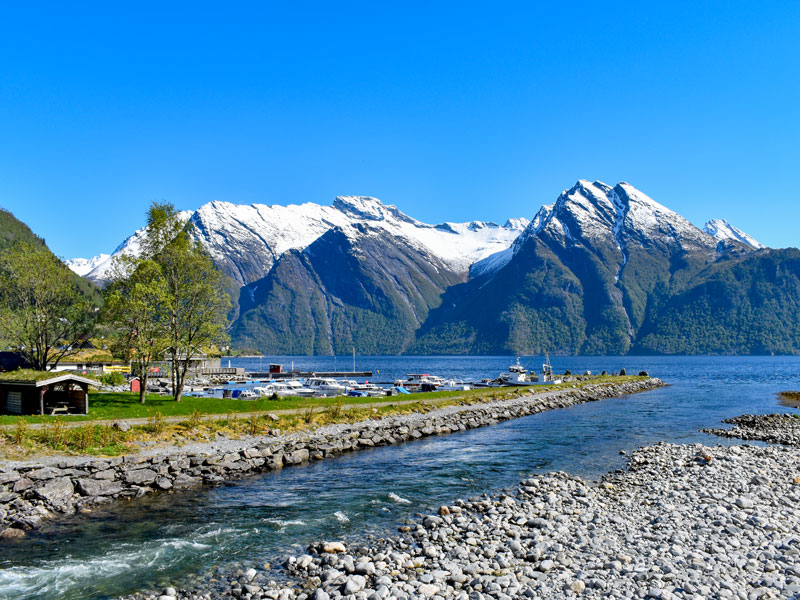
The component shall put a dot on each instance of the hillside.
(13, 231)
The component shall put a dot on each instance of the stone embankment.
(30, 493)
(683, 522)
(775, 429)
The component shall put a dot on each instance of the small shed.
(29, 392)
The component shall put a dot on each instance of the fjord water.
(175, 538)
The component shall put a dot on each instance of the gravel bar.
(684, 521)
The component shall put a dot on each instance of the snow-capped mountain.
(595, 212)
(84, 266)
(608, 270)
(98, 269)
(246, 240)
(721, 230)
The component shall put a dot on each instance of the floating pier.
(303, 374)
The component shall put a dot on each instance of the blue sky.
(452, 111)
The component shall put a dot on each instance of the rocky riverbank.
(682, 522)
(32, 492)
(775, 429)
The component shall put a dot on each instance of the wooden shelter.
(29, 392)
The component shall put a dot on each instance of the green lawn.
(125, 405)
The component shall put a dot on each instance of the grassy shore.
(208, 418)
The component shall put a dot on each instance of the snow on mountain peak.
(84, 266)
(593, 210)
(721, 230)
(245, 240)
(519, 223)
(369, 208)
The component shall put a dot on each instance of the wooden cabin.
(29, 392)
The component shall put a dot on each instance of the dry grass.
(23, 441)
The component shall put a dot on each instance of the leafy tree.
(42, 310)
(197, 304)
(136, 306)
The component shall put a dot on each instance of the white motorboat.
(369, 388)
(324, 386)
(283, 389)
(451, 385)
(415, 381)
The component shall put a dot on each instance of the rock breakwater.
(775, 428)
(32, 492)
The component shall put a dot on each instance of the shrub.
(20, 431)
(112, 378)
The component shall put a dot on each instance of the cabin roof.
(41, 378)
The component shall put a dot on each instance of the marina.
(277, 383)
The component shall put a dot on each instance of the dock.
(304, 374)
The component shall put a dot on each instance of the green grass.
(125, 405)
(206, 418)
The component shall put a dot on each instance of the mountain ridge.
(245, 240)
(604, 269)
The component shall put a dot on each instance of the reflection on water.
(171, 538)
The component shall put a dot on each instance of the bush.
(623, 372)
(112, 378)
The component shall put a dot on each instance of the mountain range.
(602, 270)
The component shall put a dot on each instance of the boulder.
(141, 476)
(98, 487)
(8, 477)
(44, 474)
(297, 457)
(56, 492)
(22, 485)
(164, 483)
(333, 547)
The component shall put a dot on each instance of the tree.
(43, 313)
(136, 306)
(197, 305)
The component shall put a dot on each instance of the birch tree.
(197, 305)
(136, 307)
(43, 314)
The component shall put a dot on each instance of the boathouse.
(29, 392)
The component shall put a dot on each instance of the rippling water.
(173, 538)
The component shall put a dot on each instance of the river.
(176, 538)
